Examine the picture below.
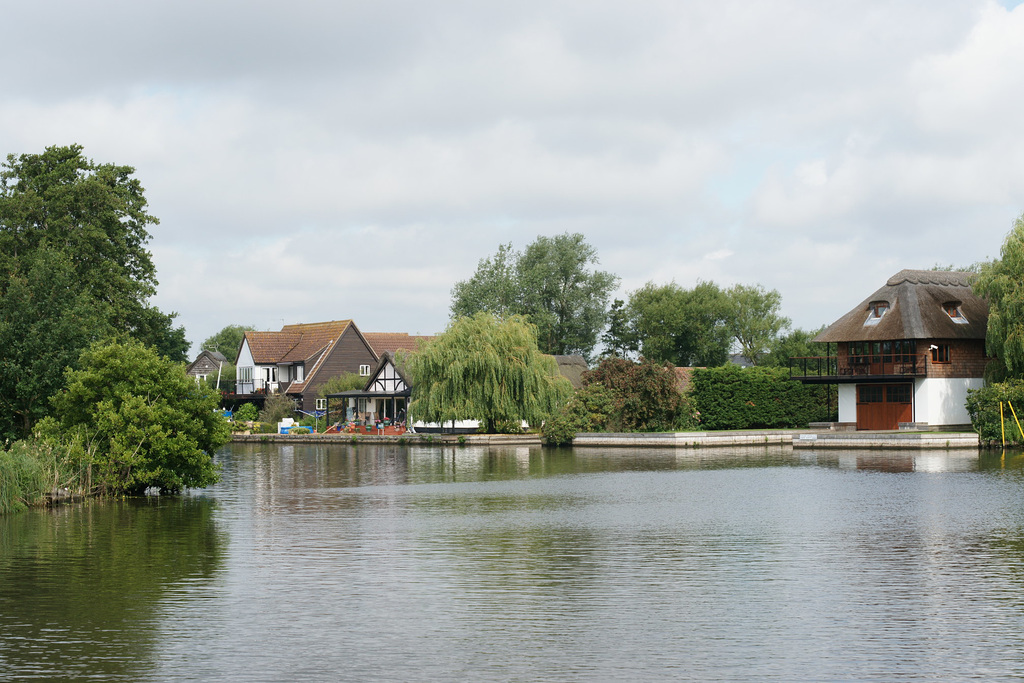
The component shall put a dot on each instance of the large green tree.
(794, 344)
(95, 213)
(756, 321)
(72, 254)
(45, 322)
(1001, 282)
(147, 423)
(685, 327)
(551, 283)
(228, 341)
(485, 368)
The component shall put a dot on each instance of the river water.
(363, 563)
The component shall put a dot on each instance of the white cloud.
(354, 159)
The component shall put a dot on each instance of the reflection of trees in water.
(81, 587)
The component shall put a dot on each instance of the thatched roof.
(572, 368)
(917, 301)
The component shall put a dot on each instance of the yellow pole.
(1002, 425)
(1016, 420)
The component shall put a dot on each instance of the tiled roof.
(393, 341)
(294, 343)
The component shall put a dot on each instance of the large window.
(940, 353)
(898, 351)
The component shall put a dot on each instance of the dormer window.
(876, 310)
(952, 309)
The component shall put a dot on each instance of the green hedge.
(731, 397)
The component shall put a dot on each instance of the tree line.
(553, 283)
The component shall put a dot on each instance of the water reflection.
(81, 586)
(460, 563)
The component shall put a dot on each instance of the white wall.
(847, 402)
(944, 400)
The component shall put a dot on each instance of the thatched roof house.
(907, 354)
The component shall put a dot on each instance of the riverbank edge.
(795, 438)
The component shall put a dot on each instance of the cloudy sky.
(319, 160)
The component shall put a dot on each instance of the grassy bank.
(34, 471)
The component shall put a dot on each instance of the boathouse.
(906, 356)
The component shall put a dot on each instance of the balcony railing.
(257, 386)
(821, 367)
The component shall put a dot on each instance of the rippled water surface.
(429, 564)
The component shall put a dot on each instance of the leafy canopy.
(146, 421)
(696, 327)
(228, 341)
(1001, 282)
(488, 369)
(756, 322)
(684, 327)
(72, 255)
(551, 284)
(45, 322)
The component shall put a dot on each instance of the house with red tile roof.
(298, 359)
(393, 342)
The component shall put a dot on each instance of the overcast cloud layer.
(327, 160)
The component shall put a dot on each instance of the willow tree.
(1001, 282)
(488, 369)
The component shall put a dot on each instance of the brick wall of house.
(966, 358)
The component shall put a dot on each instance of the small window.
(952, 309)
(364, 370)
(940, 353)
(869, 394)
(876, 310)
(898, 393)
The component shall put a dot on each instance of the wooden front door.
(884, 406)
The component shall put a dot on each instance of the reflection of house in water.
(906, 355)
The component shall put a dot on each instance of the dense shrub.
(148, 423)
(983, 407)
(645, 395)
(731, 397)
(276, 408)
(248, 412)
(589, 410)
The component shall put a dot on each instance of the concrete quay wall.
(795, 438)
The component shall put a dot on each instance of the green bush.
(276, 408)
(588, 410)
(731, 397)
(299, 430)
(247, 412)
(983, 407)
(148, 423)
(645, 395)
